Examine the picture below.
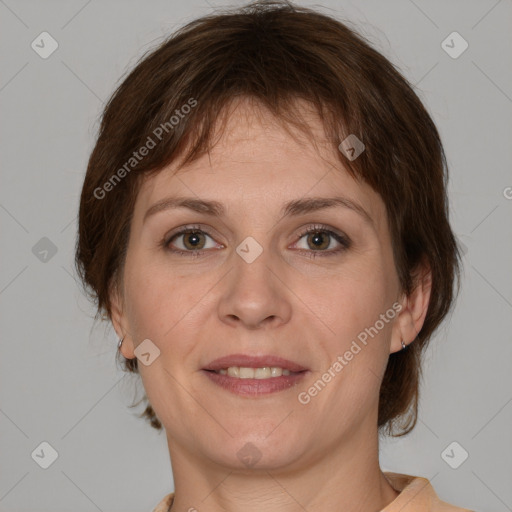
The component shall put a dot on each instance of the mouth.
(264, 372)
(247, 363)
(253, 376)
(252, 386)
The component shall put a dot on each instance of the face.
(253, 281)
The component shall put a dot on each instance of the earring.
(120, 343)
(404, 346)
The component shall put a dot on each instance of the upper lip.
(248, 361)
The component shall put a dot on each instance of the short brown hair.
(275, 52)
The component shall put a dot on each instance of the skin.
(316, 457)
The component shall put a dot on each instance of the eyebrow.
(292, 208)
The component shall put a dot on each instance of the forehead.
(255, 162)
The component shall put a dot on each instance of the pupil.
(195, 239)
(317, 240)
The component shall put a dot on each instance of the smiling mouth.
(255, 382)
(265, 372)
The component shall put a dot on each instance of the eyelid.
(312, 228)
(342, 239)
(183, 230)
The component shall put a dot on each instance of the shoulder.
(416, 495)
(165, 503)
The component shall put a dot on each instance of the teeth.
(266, 372)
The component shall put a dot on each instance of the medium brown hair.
(274, 52)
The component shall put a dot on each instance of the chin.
(256, 454)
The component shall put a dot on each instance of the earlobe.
(414, 310)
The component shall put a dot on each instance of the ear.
(120, 322)
(414, 309)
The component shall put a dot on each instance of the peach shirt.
(416, 495)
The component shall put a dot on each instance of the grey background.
(59, 382)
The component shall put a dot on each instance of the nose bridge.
(253, 294)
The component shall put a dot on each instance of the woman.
(264, 220)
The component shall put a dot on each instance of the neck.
(343, 477)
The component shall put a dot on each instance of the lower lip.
(255, 387)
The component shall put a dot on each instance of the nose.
(255, 294)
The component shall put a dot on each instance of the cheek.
(359, 346)
(163, 305)
(350, 299)
(155, 299)
(352, 306)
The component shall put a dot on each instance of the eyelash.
(343, 240)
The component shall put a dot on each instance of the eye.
(188, 240)
(319, 238)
